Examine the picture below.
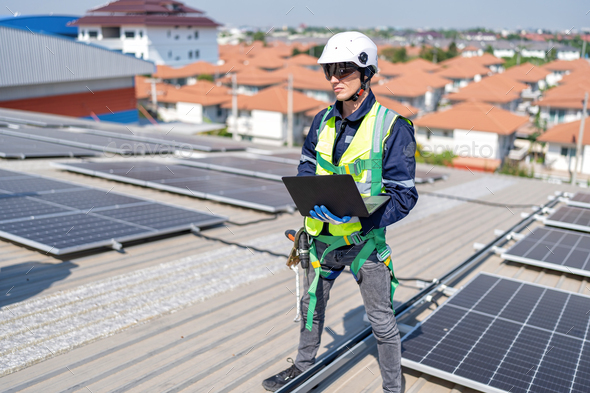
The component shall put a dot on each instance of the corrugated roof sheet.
(31, 58)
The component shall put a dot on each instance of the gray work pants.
(374, 281)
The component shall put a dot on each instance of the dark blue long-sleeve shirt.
(399, 163)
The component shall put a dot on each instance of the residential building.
(419, 89)
(198, 103)
(535, 77)
(499, 90)
(564, 103)
(165, 32)
(471, 129)
(559, 68)
(262, 118)
(61, 76)
(462, 74)
(561, 147)
(471, 51)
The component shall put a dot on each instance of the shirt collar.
(356, 115)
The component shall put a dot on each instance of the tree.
(540, 126)
(452, 51)
(259, 36)
(395, 55)
(205, 77)
(489, 50)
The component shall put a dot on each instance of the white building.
(165, 32)
(262, 118)
(469, 129)
(561, 147)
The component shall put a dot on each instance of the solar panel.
(60, 218)
(259, 194)
(15, 147)
(580, 199)
(183, 142)
(89, 141)
(571, 218)
(555, 249)
(244, 166)
(504, 335)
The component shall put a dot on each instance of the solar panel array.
(89, 141)
(254, 167)
(555, 249)
(504, 335)
(571, 218)
(15, 147)
(259, 194)
(428, 176)
(59, 217)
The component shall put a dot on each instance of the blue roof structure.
(46, 24)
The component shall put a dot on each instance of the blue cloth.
(399, 163)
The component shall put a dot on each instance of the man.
(376, 146)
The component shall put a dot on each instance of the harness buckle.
(356, 238)
(357, 167)
(383, 255)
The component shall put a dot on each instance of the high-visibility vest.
(362, 159)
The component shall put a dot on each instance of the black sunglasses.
(339, 70)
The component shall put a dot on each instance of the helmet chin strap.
(361, 90)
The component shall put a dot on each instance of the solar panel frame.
(515, 312)
(562, 218)
(428, 177)
(105, 216)
(254, 188)
(515, 253)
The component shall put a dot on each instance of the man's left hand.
(323, 214)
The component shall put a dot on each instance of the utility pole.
(580, 137)
(584, 49)
(290, 112)
(154, 95)
(234, 107)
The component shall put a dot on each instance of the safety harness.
(375, 239)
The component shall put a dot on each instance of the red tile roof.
(411, 84)
(567, 65)
(192, 69)
(567, 133)
(526, 72)
(463, 70)
(567, 96)
(146, 6)
(473, 115)
(144, 20)
(405, 110)
(274, 99)
(498, 88)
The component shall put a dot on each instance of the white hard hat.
(350, 46)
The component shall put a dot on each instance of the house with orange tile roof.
(476, 130)
(309, 82)
(535, 77)
(564, 103)
(498, 90)
(188, 74)
(195, 104)
(305, 60)
(559, 68)
(462, 73)
(262, 118)
(471, 51)
(250, 80)
(493, 63)
(561, 146)
(419, 89)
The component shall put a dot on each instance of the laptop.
(337, 192)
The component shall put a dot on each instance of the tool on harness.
(299, 254)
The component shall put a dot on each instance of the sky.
(509, 14)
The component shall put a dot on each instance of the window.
(92, 33)
(169, 33)
(140, 33)
(190, 54)
(189, 36)
(169, 54)
(196, 53)
(196, 35)
(564, 151)
(176, 37)
(571, 151)
(129, 34)
(111, 32)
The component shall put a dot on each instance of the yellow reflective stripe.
(346, 240)
(387, 261)
(346, 168)
(315, 264)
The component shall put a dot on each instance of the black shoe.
(281, 379)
